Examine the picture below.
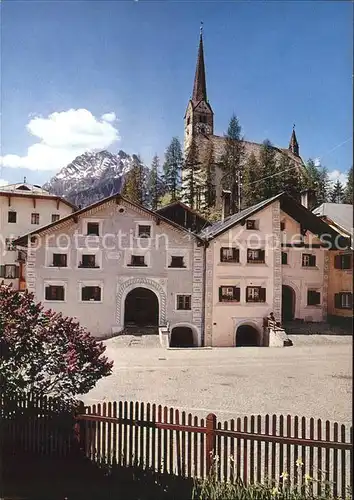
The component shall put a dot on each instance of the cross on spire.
(294, 145)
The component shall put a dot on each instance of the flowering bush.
(45, 352)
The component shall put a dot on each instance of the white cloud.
(317, 162)
(3, 182)
(63, 136)
(335, 175)
(109, 117)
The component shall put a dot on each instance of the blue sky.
(271, 63)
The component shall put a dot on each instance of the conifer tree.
(135, 182)
(208, 182)
(154, 185)
(172, 168)
(317, 180)
(269, 168)
(231, 162)
(191, 176)
(290, 179)
(337, 193)
(348, 191)
(251, 187)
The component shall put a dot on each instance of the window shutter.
(262, 294)
(221, 255)
(312, 260)
(337, 261)
(61, 293)
(262, 255)
(337, 301)
(237, 291)
(236, 254)
(317, 297)
(309, 297)
(17, 272)
(220, 293)
(2, 271)
(47, 293)
(351, 300)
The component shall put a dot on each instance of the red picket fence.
(253, 448)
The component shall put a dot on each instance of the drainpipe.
(205, 246)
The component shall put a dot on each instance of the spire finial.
(293, 126)
(24, 179)
(201, 28)
(294, 145)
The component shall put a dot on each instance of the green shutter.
(236, 254)
(337, 261)
(2, 271)
(237, 293)
(262, 294)
(312, 260)
(17, 272)
(337, 301)
(220, 294)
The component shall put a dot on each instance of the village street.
(313, 378)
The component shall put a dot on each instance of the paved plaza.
(313, 378)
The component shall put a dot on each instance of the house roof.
(22, 240)
(25, 190)
(288, 204)
(340, 213)
(184, 206)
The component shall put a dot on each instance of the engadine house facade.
(118, 267)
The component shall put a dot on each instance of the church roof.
(250, 147)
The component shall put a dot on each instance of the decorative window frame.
(84, 224)
(89, 251)
(50, 251)
(256, 225)
(177, 294)
(143, 223)
(145, 252)
(83, 283)
(55, 283)
(178, 252)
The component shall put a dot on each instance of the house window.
(55, 217)
(144, 231)
(9, 271)
(282, 226)
(60, 260)
(9, 244)
(251, 224)
(308, 260)
(177, 261)
(229, 254)
(34, 218)
(93, 228)
(255, 256)
(343, 261)
(229, 294)
(12, 217)
(255, 294)
(343, 300)
(137, 261)
(284, 258)
(184, 302)
(88, 261)
(91, 293)
(54, 292)
(313, 298)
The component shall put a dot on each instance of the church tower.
(198, 119)
(294, 145)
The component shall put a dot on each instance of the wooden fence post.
(210, 441)
(79, 429)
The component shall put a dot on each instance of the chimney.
(226, 204)
(308, 199)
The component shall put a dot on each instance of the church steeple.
(294, 145)
(199, 88)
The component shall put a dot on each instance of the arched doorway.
(247, 336)
(182, 336)
(288, 303)
(141, 308)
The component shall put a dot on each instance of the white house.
(24, 207)
(265, 259)
(117, 266)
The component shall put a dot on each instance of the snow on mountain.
(91, 177)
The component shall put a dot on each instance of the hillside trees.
(172, 168)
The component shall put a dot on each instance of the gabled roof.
(340, 213)
(32, 191)
(289, 205)
(22, 240)
(184, 206)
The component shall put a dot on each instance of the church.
(199, 124)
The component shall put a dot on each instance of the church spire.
(199, 88)
(294, 145)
